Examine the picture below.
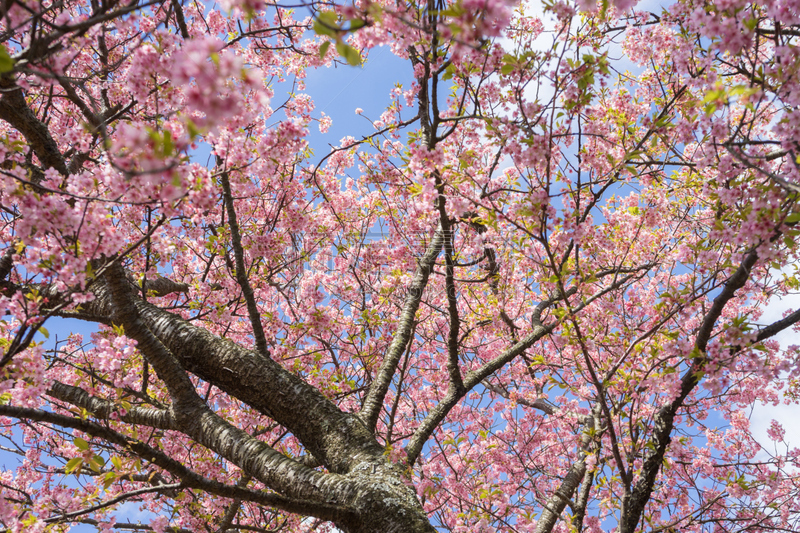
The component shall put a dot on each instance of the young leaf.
(73, 465)
(6, 61)
(323, 48)
(349, 53)
(325, 24)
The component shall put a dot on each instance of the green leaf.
(96, 463)
(81, 444)
(349, 53)
(751, 23)
(74, 464)
(507, 69)
(325, 24)
(192, 129)
(448, 72)
(169, 146)
(714, 94)
(323, 49)
(357, 24)
(453, 11)
(793, 218)
(6, 61)
(44, 332)
(328, 18)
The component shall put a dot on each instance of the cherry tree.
(528, 301)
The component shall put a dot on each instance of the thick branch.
(14, 110)
(380, 386)
(162, 286)
(665, 417)
(198, 421)
(179, 18)
(329, 434)
(100, 408)
(558, 501)
(776, 327)
(67, 517)
(452, 301)
(189, 479)
(734, 283)
(582, 501)
(6, 262)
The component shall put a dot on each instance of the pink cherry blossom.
(537, 295)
